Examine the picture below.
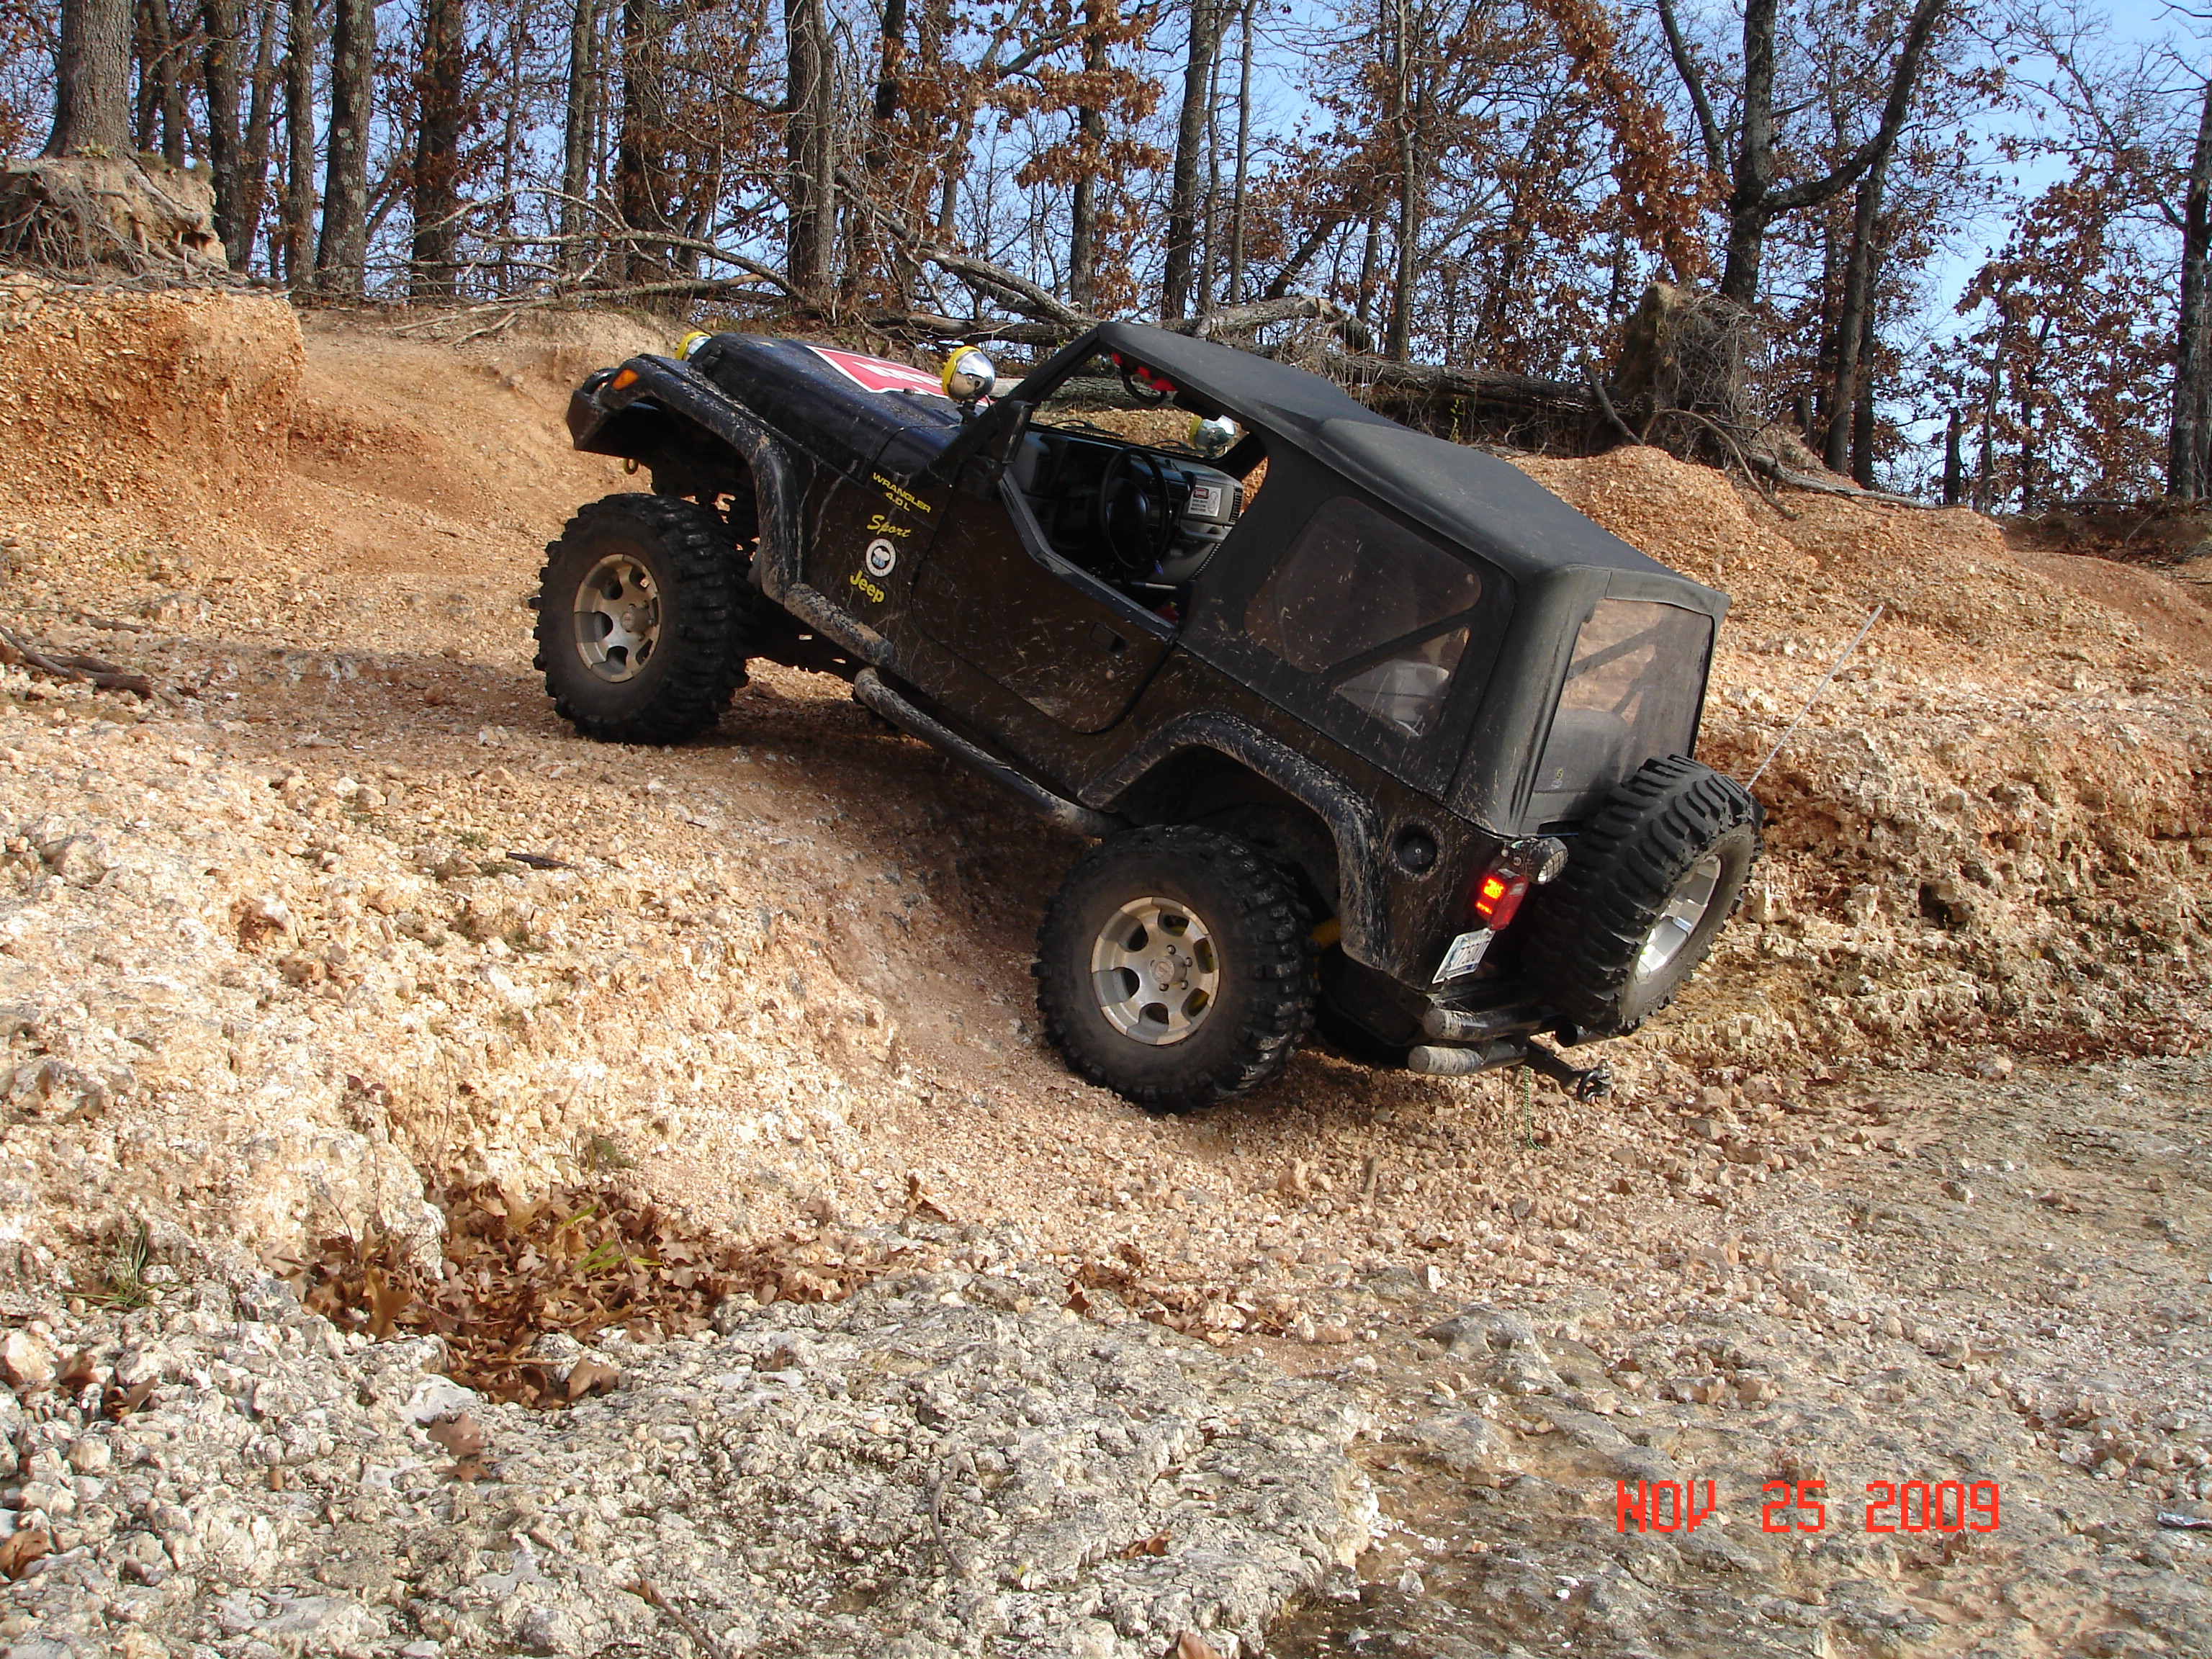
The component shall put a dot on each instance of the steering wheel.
(1134, 513)
(1144, 394)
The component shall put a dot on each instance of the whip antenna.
(1856, 639)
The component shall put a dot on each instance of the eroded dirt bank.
(1909, 1189)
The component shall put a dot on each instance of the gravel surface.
(944, 1463)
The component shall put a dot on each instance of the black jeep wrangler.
(1369, 727)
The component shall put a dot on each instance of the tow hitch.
(1594, 1083)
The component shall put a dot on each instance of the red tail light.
(1497, 898)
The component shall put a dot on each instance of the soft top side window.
(1379, 610)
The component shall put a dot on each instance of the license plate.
(1466, 954)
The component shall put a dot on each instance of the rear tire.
(645, 618)
(1651, 881)
(1174, 969)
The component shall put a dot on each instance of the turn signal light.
(1497, 898)
(627, 379)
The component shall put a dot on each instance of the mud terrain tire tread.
(1590, 925)
(1266, 1006)
(708, 626)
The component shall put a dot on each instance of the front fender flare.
(680, 392)
(1362, 911)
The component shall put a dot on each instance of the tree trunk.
(219, 81)
(254, 142)
(1203, 290)
(163, 86)
(92, 94)
(1854, 315)
(641, 196)
(576, 128)
(810, 139)
(863, 239)
(149, 42)
(1954, 462)
(1371, 260)
(1412, 191)
(1754, 157)
(1083, 206)
(299, 139)
(2024, 391)
(1239, 198)
(2189, 456)
(1190, 137)
(342, 254)
(1862, 405)
(437, 198)
(511, 158)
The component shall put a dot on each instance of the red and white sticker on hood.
(879, 374)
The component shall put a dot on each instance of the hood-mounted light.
(968, 375)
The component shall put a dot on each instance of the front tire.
(1173, 967)
(1650, 883)
(644, 619)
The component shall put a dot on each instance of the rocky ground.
(942, 1463)
(1908, 1190)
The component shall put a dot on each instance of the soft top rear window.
(1632, 692)
(1378, 609)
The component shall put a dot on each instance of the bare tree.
(341, 255)
(579, 125)
(222, 21)
(2189, 465)
(299, 208)
(1240, 199)
(437, 195)
(161, 95)
(92, 102)
(1400, 37)
(810, 146)
(1206, 21)
(1083, 203)
(1755, 200)
(254, 142)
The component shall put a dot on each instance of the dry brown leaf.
(919, 1203)
(591, 1376)
(579, 1260)
(387, 1302)
(469, 1468)
(1191, 1646)
(1156, 1545)
(18, 1550)
(121, 1404)
(462, 1435)
(81, 1371)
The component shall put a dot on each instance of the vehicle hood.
(845, 405)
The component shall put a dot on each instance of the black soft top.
(1484, 504)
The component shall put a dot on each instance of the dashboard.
(1062, 473)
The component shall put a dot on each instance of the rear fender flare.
(1362, 913)
(683, 393)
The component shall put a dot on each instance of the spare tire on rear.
(1660, 868)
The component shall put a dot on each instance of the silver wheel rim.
(1692, 898)
(1155, 971)
(618, 618)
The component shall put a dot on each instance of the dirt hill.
(269, 960)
